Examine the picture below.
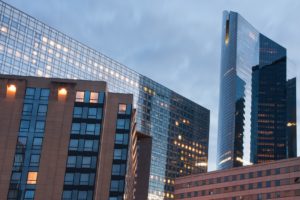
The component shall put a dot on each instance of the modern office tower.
(253, 95)
(30, 47)
(291, 118)
(275, 180)
(65, 139)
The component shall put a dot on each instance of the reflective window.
(42, 110)
(32, 177)
(69, 178)
(122, 108)
(34, 160)
(71, 161)
(94, 97)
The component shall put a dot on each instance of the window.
(16, 177)
(250, 186)
(75, 128)
(122, 108)
(277, 171)
(242, 176)
(259, 174)
(88, 145)
(79, 96)
(117, 185)
(29, 194)
(119, 169)
(12, 194)
(123, 124)
(67, 195)
(82, 195)
(29, 94)
(77, 112)
(268, 184)
(69, 178)
(92, 129)
(94, 97)
(86, 162)
(22, 141)
(39, 126)
(121, 138)
(32, 177)
(84, 179)
(73, 145)
(44, 94)
(120, 154)
(71, 161)
(37, 143)
(259, 185)
(27, 109)
(18, 160)
(42, 110)
(277, 182)
(251, 175)
(24, 125)
(92, 113)
(34, 160)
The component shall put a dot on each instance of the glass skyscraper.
(253, 95)
(179, 127)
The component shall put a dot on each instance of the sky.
(176, 43)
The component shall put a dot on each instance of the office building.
(65, 139)
(30, 47)
(273, 180)
(253, 96)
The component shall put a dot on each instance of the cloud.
(176, 43)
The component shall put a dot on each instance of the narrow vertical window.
(227, 32)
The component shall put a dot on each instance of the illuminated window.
(94, 97)
(79, 96)
(32, 177)
(4, 29)
(11, 89)
(122, 108)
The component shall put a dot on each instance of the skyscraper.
(174, 123)
(253, 95)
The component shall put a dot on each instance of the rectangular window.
(84, 179)
(29, 94)
(73, 145)
(42, 110)
(122, 108)
(120, 154)
(16, 177)
(24, 125)
(27, 109)
(86, 162)
(94, 97)
(39, 126)
(77, 113)
(37, 143)
(18, 160)
(29, 195)
(123, 124)
(268, 184)
(69, 178)
(22, 141)
(71, 161)
(32, 177)
(92, 113)
(88, 145)
(121, 138)
(117, 185)
(119, 169)
(34, 160)
(79, 96)
(75, 128)
(44, 94)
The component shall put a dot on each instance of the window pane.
(79, 96)
(94, 97)
(76, 128)
(77, 112)
(73, 144)
(69, 178)
(32, 177)
(27, 109)
(88, 145)
(42, 110)
(44, 94)
(29, 194)
(71, 161)
(39, 126)
(84, 179)
(34, 160)
(122, 108)
(24, 126)
(86, 161)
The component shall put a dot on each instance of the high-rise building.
(65, 139)
(253, 96)
(175, 124)
(275, 180)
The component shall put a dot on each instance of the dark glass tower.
(253, 95)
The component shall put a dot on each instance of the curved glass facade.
(178, 126)
(251, 66)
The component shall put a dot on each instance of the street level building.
(273, 180)
(65, 139)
